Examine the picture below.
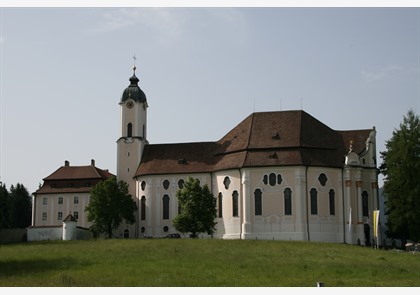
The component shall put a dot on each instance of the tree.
(198, 209)
(4, 206)
(20, 207)
(110, 204)
(401, 168)
(15, 207)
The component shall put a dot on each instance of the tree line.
(15, 206)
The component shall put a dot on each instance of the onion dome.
(133, 91)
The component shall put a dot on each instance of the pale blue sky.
(203, 70)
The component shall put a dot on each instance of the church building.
(276, 175)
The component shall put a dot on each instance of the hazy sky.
(203, 70)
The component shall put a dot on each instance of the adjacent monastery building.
(276, 175)
(64, 195)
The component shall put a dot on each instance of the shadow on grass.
(18, 267)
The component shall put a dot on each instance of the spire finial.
(134, 63)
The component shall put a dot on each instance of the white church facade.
(276, 175)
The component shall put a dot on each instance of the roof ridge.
(183, 143)
(96, 171)
(249, 138)
(301, 135)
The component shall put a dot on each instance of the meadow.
(203, 263)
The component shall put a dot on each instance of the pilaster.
(246, 203)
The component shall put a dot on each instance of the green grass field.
(203, 263)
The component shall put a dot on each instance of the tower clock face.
(129, 104)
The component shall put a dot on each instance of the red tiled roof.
(178, 158)
(78, 172)
(262, 139)
(73, 179)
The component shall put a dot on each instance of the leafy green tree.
(20, 207)
(4, 206)
(198, 209)
(401, 168)
(110, 204)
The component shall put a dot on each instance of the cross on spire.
(134, 63)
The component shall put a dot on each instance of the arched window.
(129, 130)
(265, 179)
(143, 185)
(181, 183)
(219, 205)
(332, 201)
(226, 182)
(143, 208)
(235, 204)
(287, 201)
(258, 201)
(279, 179)
(365, 203)
(165, 207)
(314, 201)
(322, 179)
(272, 179)
(166, 184)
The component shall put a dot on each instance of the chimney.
(92, 162)
(66, 163)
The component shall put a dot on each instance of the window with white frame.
(165, 207)
(76, 200)
(287, 201)
(258, 202)
(220, 205)
(60, 200)
(235, 203)
(314, 201)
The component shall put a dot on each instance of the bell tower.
(133, 132)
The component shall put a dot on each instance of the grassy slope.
(203, 263)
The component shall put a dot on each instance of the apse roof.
(284, 138)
